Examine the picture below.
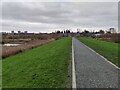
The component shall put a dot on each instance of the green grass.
(42, 67)
(107, 49)
(0, 74)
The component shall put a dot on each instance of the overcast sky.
(51, 16)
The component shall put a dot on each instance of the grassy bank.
(0, 74)
(107, 49)
(42, 67)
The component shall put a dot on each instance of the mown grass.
(0, 74)
(42, 67)
(107, 49)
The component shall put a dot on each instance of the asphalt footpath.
(91, 70)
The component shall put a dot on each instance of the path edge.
(73, 69)
(100, 55)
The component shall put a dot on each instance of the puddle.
(9, 44)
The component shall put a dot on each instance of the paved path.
(92, 71)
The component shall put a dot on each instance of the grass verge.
(42, 67)
(107, 49)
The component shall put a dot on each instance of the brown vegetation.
(115, 37)
(26, 41)
(11, 50)
(15, 40)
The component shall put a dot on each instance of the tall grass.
(12, 50)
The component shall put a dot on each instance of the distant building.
(112, 30)
(78, 30)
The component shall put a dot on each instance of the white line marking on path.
(101, 56)
(73, 69)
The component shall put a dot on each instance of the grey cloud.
(93, 14)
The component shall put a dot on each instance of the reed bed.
(12, 50)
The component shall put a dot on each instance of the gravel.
(92, 71)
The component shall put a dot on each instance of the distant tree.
(67, 31)
(101, 31)
(78, 32)
(86, 31)
(58, 31)
(61, 32)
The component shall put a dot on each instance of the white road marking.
(73, 69)
(101, 56)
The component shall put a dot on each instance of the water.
(9, 44)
